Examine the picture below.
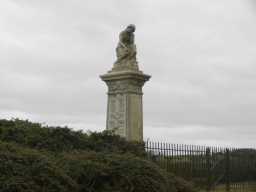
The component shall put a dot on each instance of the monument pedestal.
(124, 108)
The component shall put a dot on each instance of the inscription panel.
(116, 114)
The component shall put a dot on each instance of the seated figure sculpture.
(126, 51)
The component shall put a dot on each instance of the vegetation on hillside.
(36, 158)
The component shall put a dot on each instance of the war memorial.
(125, 82)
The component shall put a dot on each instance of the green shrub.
(27, 170)
(59, 139)
(34, 158)
(97, 172)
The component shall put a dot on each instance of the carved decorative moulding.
(125, 81)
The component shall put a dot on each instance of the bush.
(96, 172)
(60, 139)
(34, 158)
(30, 171)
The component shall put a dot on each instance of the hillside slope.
(36, 158)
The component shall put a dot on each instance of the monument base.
(124, 108)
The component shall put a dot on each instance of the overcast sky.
(201, 55)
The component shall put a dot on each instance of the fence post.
(208, 167)
(227, 166)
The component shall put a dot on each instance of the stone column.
(125, 106)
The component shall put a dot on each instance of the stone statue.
(126, 50)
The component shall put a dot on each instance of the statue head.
(130, 28)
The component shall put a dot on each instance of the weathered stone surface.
(126, 51)
(124, 112)
(125, 82)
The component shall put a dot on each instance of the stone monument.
(125, 82)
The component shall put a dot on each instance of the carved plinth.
(124, 108)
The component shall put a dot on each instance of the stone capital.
(125, 82)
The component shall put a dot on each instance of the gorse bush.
(28, 170)
(99, 173)
(36, 158)
(60, 139)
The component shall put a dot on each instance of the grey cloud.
(201, 55)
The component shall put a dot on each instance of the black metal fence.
(210, 168)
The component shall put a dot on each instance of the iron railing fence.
(209, 168)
